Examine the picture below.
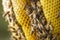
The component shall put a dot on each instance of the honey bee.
(58, 15)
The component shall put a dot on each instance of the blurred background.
(4, 33)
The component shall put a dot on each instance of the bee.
(58, 15)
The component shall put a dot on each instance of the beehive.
(24, 14)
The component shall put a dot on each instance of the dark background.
(4, 33)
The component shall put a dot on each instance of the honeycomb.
(51, 10)
(22, 17)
